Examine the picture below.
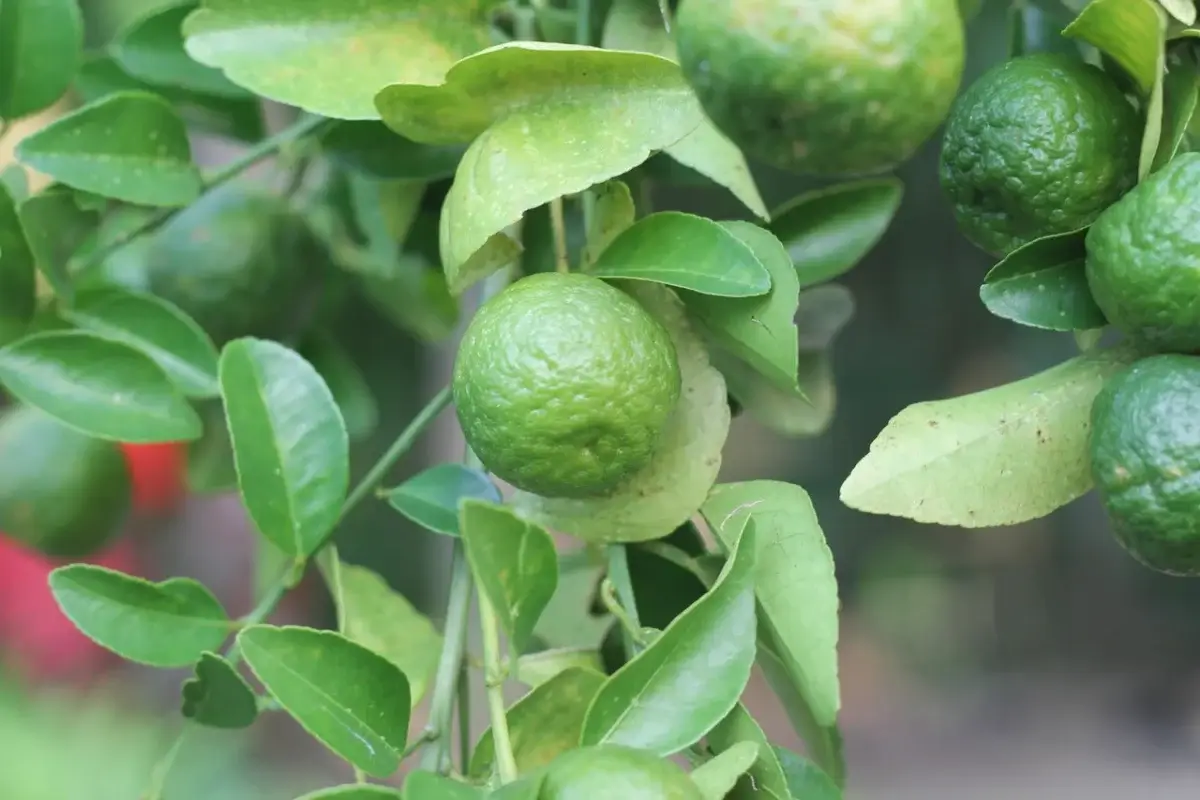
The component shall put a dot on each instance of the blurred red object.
(36, 639)
(158, 474)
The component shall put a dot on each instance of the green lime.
(233, 261)
(615, 772)
(563, 385)
(1145, 453)
(1037, 145)
(1143, 258)
(62, 492)
(823, 86)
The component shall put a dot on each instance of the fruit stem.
(506, 764)
(618, 578)
(560, 235)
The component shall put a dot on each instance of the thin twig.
(506, 764)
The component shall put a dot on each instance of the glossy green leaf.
(332, 59)
(210, 466)
(151, 49)
(1181, 88)
(357, 791)
(543, 724)
(1183, 11)
(55, 227)
(765, 774)
(156, 328)
(514, 562)
(794, 581)
(1043, 284)
(218, 696)
(371, 148)
(432, 498)
(40, 46)
(674, 484)
(759, 330)
(805, 779)
(289, 443)
(18, 276)
(421, 785)
(717, 777)
(559, 96)
(997, 457)
(130, 146)
(534, 669)
(673, 692)
(349, 386)
(828, 231)
(687, 252)
(381, 619)
(99, 386)
(353, 700)
(168, 624)
(613, 213)
(824, 742)
(1130, 31)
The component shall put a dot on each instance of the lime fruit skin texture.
(1143, 259)
(1145, 457)
(615, 772)
(823, 87)
(1038, 145)
(563, 385)
(62, 493)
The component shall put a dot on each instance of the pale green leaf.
(717, 777)
(1130, 31)
(765, 774)
(614, 211)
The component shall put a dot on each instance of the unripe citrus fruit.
(1145, 456)
(1037, 145)
(823, 86)
(563, 385)
(1143, 258)
(62, 492)
(615, 772)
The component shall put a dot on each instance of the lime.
(563, 385)
(1143, 258)
(823, 86)
(62, 492)
(1145, 453)
(232, 261)
(1037, 145)
(615, 772)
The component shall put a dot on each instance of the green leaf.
(824, 742)
(828, 231)
(382, 620)
(353, 700)
(765, 773)
(526, 788)
(151, 49)
(514, 562)
(794, 581)
(1182, 10)
(614, 212)
(289, 443)
(358, 791)
(218, 696)
(805, 779)
(673, 692)
(40, 46)
(168, 624)
(332, 59)
(717, 777)
(805, 411)
(156, 328)
(15, 181)
(372, 149)
(674, 484)
(18, 278)
(55, 227)
(432, 498)
(543, 724)
(997, 457)
(210, 467)
(1130, 31)
(422, 785)
(345, 381)
(759, 330)
(561, 97)
(99, 386)
(537, 668)
(1181, 87)
(1043, 284)
(687, 252)
(567, 621)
